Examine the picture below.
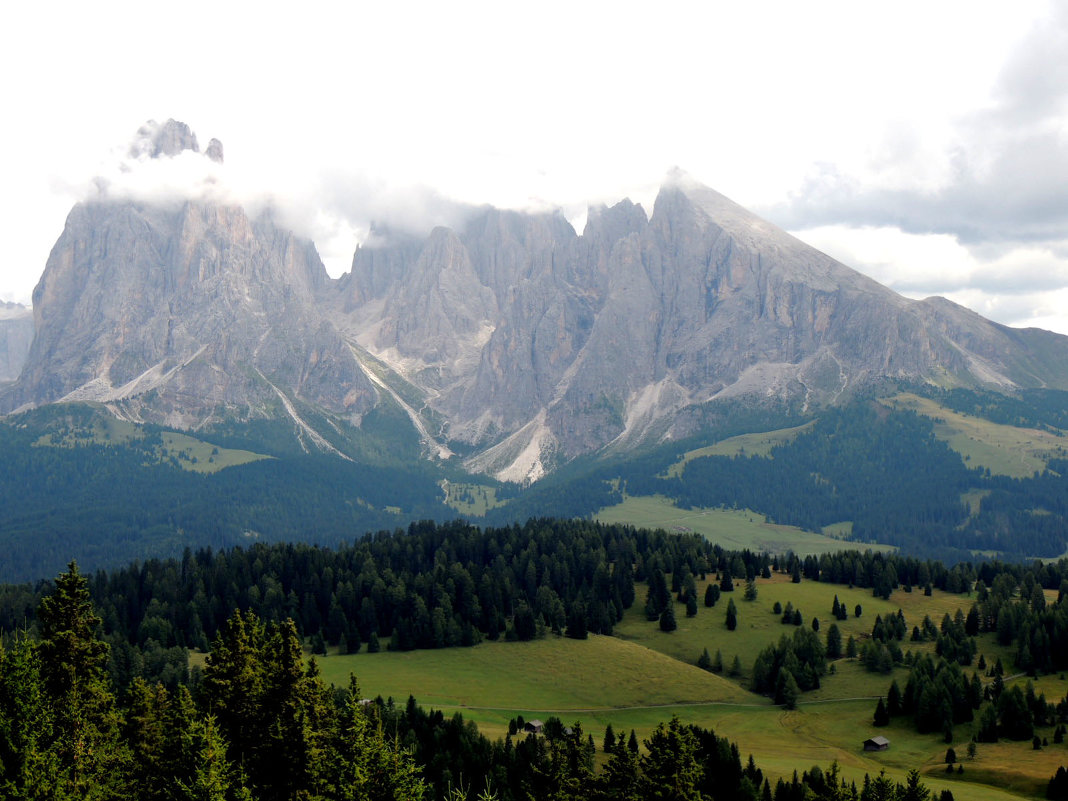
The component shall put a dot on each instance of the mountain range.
(512, 342)
(190, 375)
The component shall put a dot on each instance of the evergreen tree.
(609, 739)
(893, 700)
(365, 764)
(704, 661)
(987, 730)
(73, 667)
(732, 616)
(786, 690)
(717, 662)
(29, 758)
(667, 618)
(670, 768)
(214, 777)
(834, 642)
(576, 622)
(233, 684)
(881, 717)
(750, 590)
(621, 777)
(913, 790)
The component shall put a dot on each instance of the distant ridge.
(512, 339)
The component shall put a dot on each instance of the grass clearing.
(734, 529)
(1004, 450)
(756, 444)
(203, 457)
(471, 499)
(181, 450)
(492, 682)
(643, 676)
(759, 627)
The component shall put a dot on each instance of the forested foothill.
(259, 723)
(255, 707)
(873, 469)
(68, 491)
(440, 585)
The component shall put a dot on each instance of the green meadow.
(642, 676)
(1005, 450)
(471, 499)
(755, 444)
(188, 453)
(733, 529)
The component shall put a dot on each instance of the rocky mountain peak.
(215, 151)
(507, 336)
(165, 140)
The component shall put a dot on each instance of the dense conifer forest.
(880, 471)
(259, 723)
(439, 585)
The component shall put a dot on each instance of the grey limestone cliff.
(16, 336)
(510, 337)
(537, 344)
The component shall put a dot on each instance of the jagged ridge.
(512, 338)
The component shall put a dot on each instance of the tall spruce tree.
(74, 668)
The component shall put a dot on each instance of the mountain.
(536, 344)
(16, 336)
(510, 342)
(186, 313)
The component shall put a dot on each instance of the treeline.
(441, 585)
(261, 724)
(105, 505)
(884, 471)
(1028, 408)
(1013, 607)
(432, 586)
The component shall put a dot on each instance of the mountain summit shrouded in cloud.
(508, 337)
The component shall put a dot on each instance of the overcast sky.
(925, 144)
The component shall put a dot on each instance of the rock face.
(512, 339)
(537, 344)
(16, 336)
(186, 314)
(167, 140)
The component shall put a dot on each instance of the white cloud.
(1015, 285)
(342, 113)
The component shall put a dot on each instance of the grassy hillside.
(756, 444)
(729, 528)
(169, 447)
(642, 676)
(1005, 450)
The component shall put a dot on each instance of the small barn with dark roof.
(878, 743)
(533, 726)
